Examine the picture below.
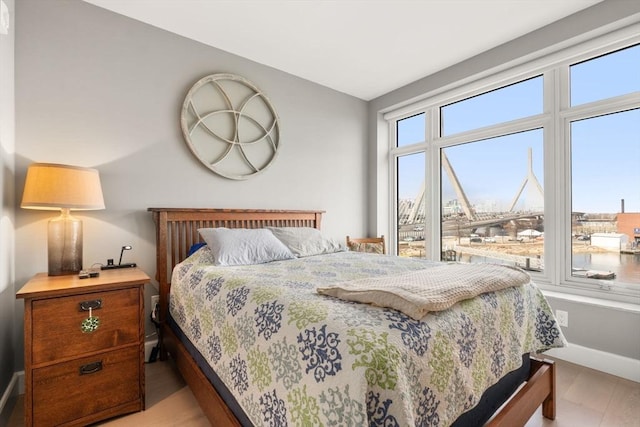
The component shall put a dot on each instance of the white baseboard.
(14, 389)
(8, 392)
(610, 363)
(148, 346)
(20, 375)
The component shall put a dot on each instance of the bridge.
(411, 214)
(488, 220)
(460, 225)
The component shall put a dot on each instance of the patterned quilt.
(293, 357)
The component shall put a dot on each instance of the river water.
(626, 266)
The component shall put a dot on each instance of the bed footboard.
(540, 389)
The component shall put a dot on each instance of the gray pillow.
(306, 241)
(241, 246)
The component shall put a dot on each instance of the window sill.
(588, 300)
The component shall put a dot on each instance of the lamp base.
(65, 245)
(112, 266)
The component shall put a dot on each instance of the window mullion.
(551, 226)
(611, 105)
(562, 169)
(392, 241)
(520, 125)
(432, 176)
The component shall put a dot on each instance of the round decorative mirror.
(230, 126)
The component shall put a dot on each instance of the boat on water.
(593, 274)
(635, 251)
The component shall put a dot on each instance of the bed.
(225, 394)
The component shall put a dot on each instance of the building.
(629, 224)
(610, 241)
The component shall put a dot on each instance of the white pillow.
(241, 246)
(306, 241)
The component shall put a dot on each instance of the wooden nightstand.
(78, 372)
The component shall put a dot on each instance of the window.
(410, 130)
(411, 205)
(511, 102)
(493, 201)
(575, 123)
(617, 73)
(605, 184)
(604, 145)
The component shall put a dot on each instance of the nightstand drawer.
(79, 388)
(57, 324)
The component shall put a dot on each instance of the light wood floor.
(586, 398)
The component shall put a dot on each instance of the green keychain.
(90, 324)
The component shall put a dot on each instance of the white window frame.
(555, 121)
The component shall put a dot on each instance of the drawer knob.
(91, 305)
(91, 368)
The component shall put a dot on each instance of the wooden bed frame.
(177, 231)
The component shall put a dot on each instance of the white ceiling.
(364, 48)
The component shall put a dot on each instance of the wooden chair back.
(367, 244)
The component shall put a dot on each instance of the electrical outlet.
(563, 318)
(155, 300)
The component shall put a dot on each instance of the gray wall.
(611, 330)
(97, 89)
(7, 219)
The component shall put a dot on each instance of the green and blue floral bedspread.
(292, 357)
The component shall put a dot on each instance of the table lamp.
(51, 187)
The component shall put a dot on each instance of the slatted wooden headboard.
(177, 231)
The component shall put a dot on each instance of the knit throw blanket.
(433, 289)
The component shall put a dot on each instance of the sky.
(605, 150)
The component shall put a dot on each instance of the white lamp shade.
(51, 186)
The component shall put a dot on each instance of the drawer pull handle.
(93, 305)
(91, 368)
